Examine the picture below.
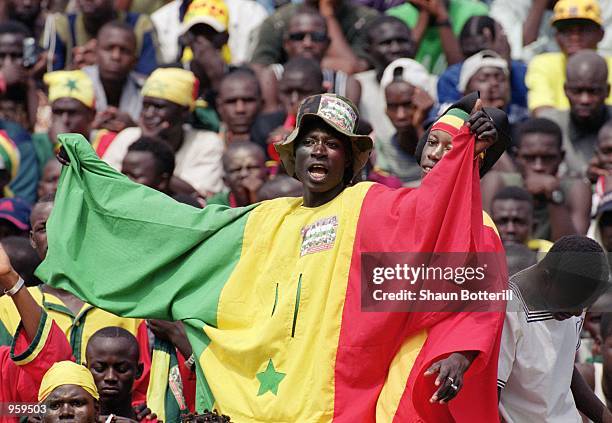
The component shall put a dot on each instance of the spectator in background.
(512, 212)
(483, 33)
(435, 25)
(28, 12)
(71, 38)
(388, 39)
(586, 88)
(9, 164)
(245, 16)
(407, 86)
(22, 161)
(168, 100)
(14, 217)
(302, 78)
(601, 164)
(149, 162)
(116, 86)
(280, 186)
(19, 98)
(562, 204)
(50, 177)
(306, 35)
(345, 24)
(244, 166)
(578, 27)
(238, 104)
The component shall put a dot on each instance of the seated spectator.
(597, 374)
(435, 26)
(112, 356)
(537, 378)
(302, 78)
(20, 156)
(168, 99)
(345, 22)
(487, 73)
(512, 212)
(14, 217)
(307, 36)
(281, 186)
(244, 166)
(23, 258)
(69, 392)
(50, 177)
(578, 27)
(586, 88)
(71, 38)
(600, 165)
(72, 99)
(245, 16)
(149, 162)
(19, 96)
(116, 87)
(406, 84)
(388, 39)
(28, 12)
(561, 203)
(483, 33)
(36, 346)
(238, 103)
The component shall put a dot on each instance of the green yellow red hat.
(9, 155)
(577, 9)
(70, 84)
(177, 85)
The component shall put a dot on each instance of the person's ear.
(221, 39)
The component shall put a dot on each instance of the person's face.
(493, 85)
(437, 145)
(513, 219)
(321, 160)
(574, 35)
(69, 115)
(113, 363)
(390, 41)
(295, 87)
(157, 112)
(140, 167)
(306, 37)
(38, 233)
(50, 177)
(400, 107)
(116, 53)
(586, 96)
(604, 147)
(539, 153)
(95, 7)
(70, 403)
(11, 50)
(238, 104)
(24, 10)
(244, 164)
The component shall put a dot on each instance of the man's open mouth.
(317, 172)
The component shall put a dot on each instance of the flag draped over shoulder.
(270, 294)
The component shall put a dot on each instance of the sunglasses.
(317, 37)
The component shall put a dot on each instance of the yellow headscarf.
(177, 85)
(72, 84)
(67, 373)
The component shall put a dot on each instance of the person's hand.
(143, 412)
(209, 59)
(84, 55)
(541, 184)
(482, 126)
(112, 119)
(8, 276)
(435, 8)
(423, 102)
(166, 331)
(62, 156)
(14, 73)
(596, 169)
(327, 8)
(450, 375)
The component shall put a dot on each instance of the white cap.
(482, 59)
(413, 73)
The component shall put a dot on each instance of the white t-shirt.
(536, 364)
(198, 161)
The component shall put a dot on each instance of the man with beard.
(586, 88)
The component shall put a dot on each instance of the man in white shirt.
(536, 376)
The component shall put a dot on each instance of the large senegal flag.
(270, 294)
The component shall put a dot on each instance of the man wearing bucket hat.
(270, 294)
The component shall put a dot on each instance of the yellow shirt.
(78, 328)
(545, 78)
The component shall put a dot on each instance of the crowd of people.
(187, 187)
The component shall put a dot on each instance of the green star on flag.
(71, 84)
(269, 379)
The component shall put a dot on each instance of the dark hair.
(514, 193)
(476, 25)
(379, 20)
(162, 154)
(116, 24)
(540, 126)
(238, 145)
(242, 72)
(307, 10)
(116, 332)
(606, 219)
(14, 27)
(306, 66)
